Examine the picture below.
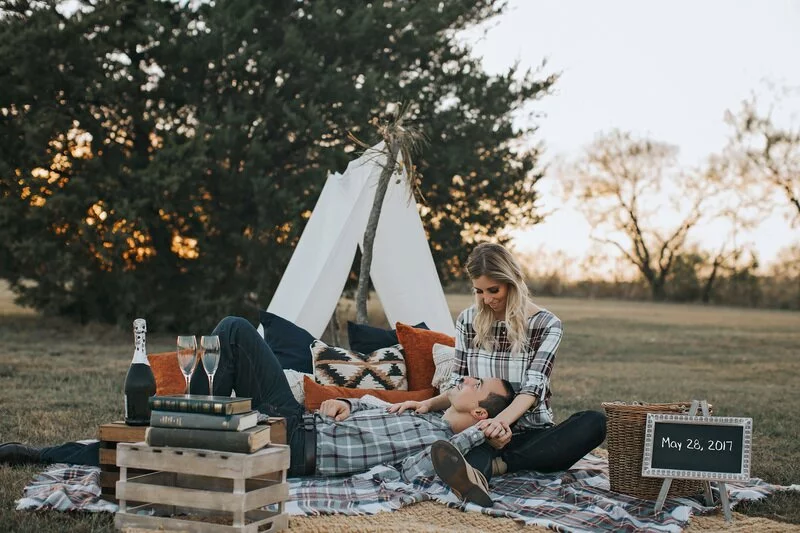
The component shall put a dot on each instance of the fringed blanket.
(65, 487)
(576, 500)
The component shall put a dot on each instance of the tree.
(400, 141)
(169, 154)
(769, 152)
(638, 202)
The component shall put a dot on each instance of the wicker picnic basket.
(625, 439)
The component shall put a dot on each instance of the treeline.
(776, 287)
(161, 159)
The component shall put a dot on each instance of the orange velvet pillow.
(418, 345)
(169, 378)
(316, 394)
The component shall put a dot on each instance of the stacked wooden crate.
(114, 433)
(110, 435)
(202, 491)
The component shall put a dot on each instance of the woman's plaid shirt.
(528, 372)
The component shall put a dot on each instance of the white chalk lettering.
(669, 443)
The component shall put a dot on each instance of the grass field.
(60, 381)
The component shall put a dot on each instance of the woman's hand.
(418, 407)
(493, 428)
(336, 409)
(498, 443)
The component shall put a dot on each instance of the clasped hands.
(497, 432)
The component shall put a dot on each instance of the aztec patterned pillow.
(382, 369)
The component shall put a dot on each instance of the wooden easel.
(723, 489)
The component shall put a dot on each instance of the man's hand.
(493, 428)
(418, 407)
(336, 409)
(498, 443)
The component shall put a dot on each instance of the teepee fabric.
(403, 271)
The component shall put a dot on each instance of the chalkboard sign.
(697, 447)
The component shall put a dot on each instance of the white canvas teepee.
(403, 272)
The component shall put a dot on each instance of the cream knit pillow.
(444, 358)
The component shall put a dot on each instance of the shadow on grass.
(783, 506)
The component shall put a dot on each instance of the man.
(353, 437)
(345, 436)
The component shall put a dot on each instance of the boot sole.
(454, 471)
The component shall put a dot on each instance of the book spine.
(190, 405)
(208, 439)
(175, 419)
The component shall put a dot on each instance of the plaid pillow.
(383, 369)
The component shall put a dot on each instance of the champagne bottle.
(140, 384)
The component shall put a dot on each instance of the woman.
(505, 335)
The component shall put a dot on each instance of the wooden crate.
(202, 491)
(111, 434)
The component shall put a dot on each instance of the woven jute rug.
(432, 517)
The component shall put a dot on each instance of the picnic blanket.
(572, 501)
(65, 487)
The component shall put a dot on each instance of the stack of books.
(205, 422)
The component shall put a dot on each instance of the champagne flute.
(209, 353)
(187, 356)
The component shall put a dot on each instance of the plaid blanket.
(65, 487)
(572, 501)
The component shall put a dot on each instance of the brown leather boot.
(468, 483)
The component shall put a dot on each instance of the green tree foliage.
(161, 158)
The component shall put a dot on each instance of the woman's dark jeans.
(551, 449)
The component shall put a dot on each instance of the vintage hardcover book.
(174, 419)
(195, 403)
(120, 432)
(246, 441)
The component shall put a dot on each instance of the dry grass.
(60, 381)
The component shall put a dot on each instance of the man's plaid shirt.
(372, 436)
(528, 372)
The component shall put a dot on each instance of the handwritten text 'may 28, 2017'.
(697, 445)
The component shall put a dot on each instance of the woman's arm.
(537, 375)
(535, 386)
(517, 408)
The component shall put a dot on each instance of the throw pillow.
(295, 380)
(366, 339)
(316, 394)
(288, 341)
(169, 378)
(382, 369)
(418, 346)
(444, 359)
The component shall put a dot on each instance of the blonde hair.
(497, 263)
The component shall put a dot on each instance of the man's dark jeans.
(246, 366)
(550, 449)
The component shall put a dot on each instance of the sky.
(665, 69)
